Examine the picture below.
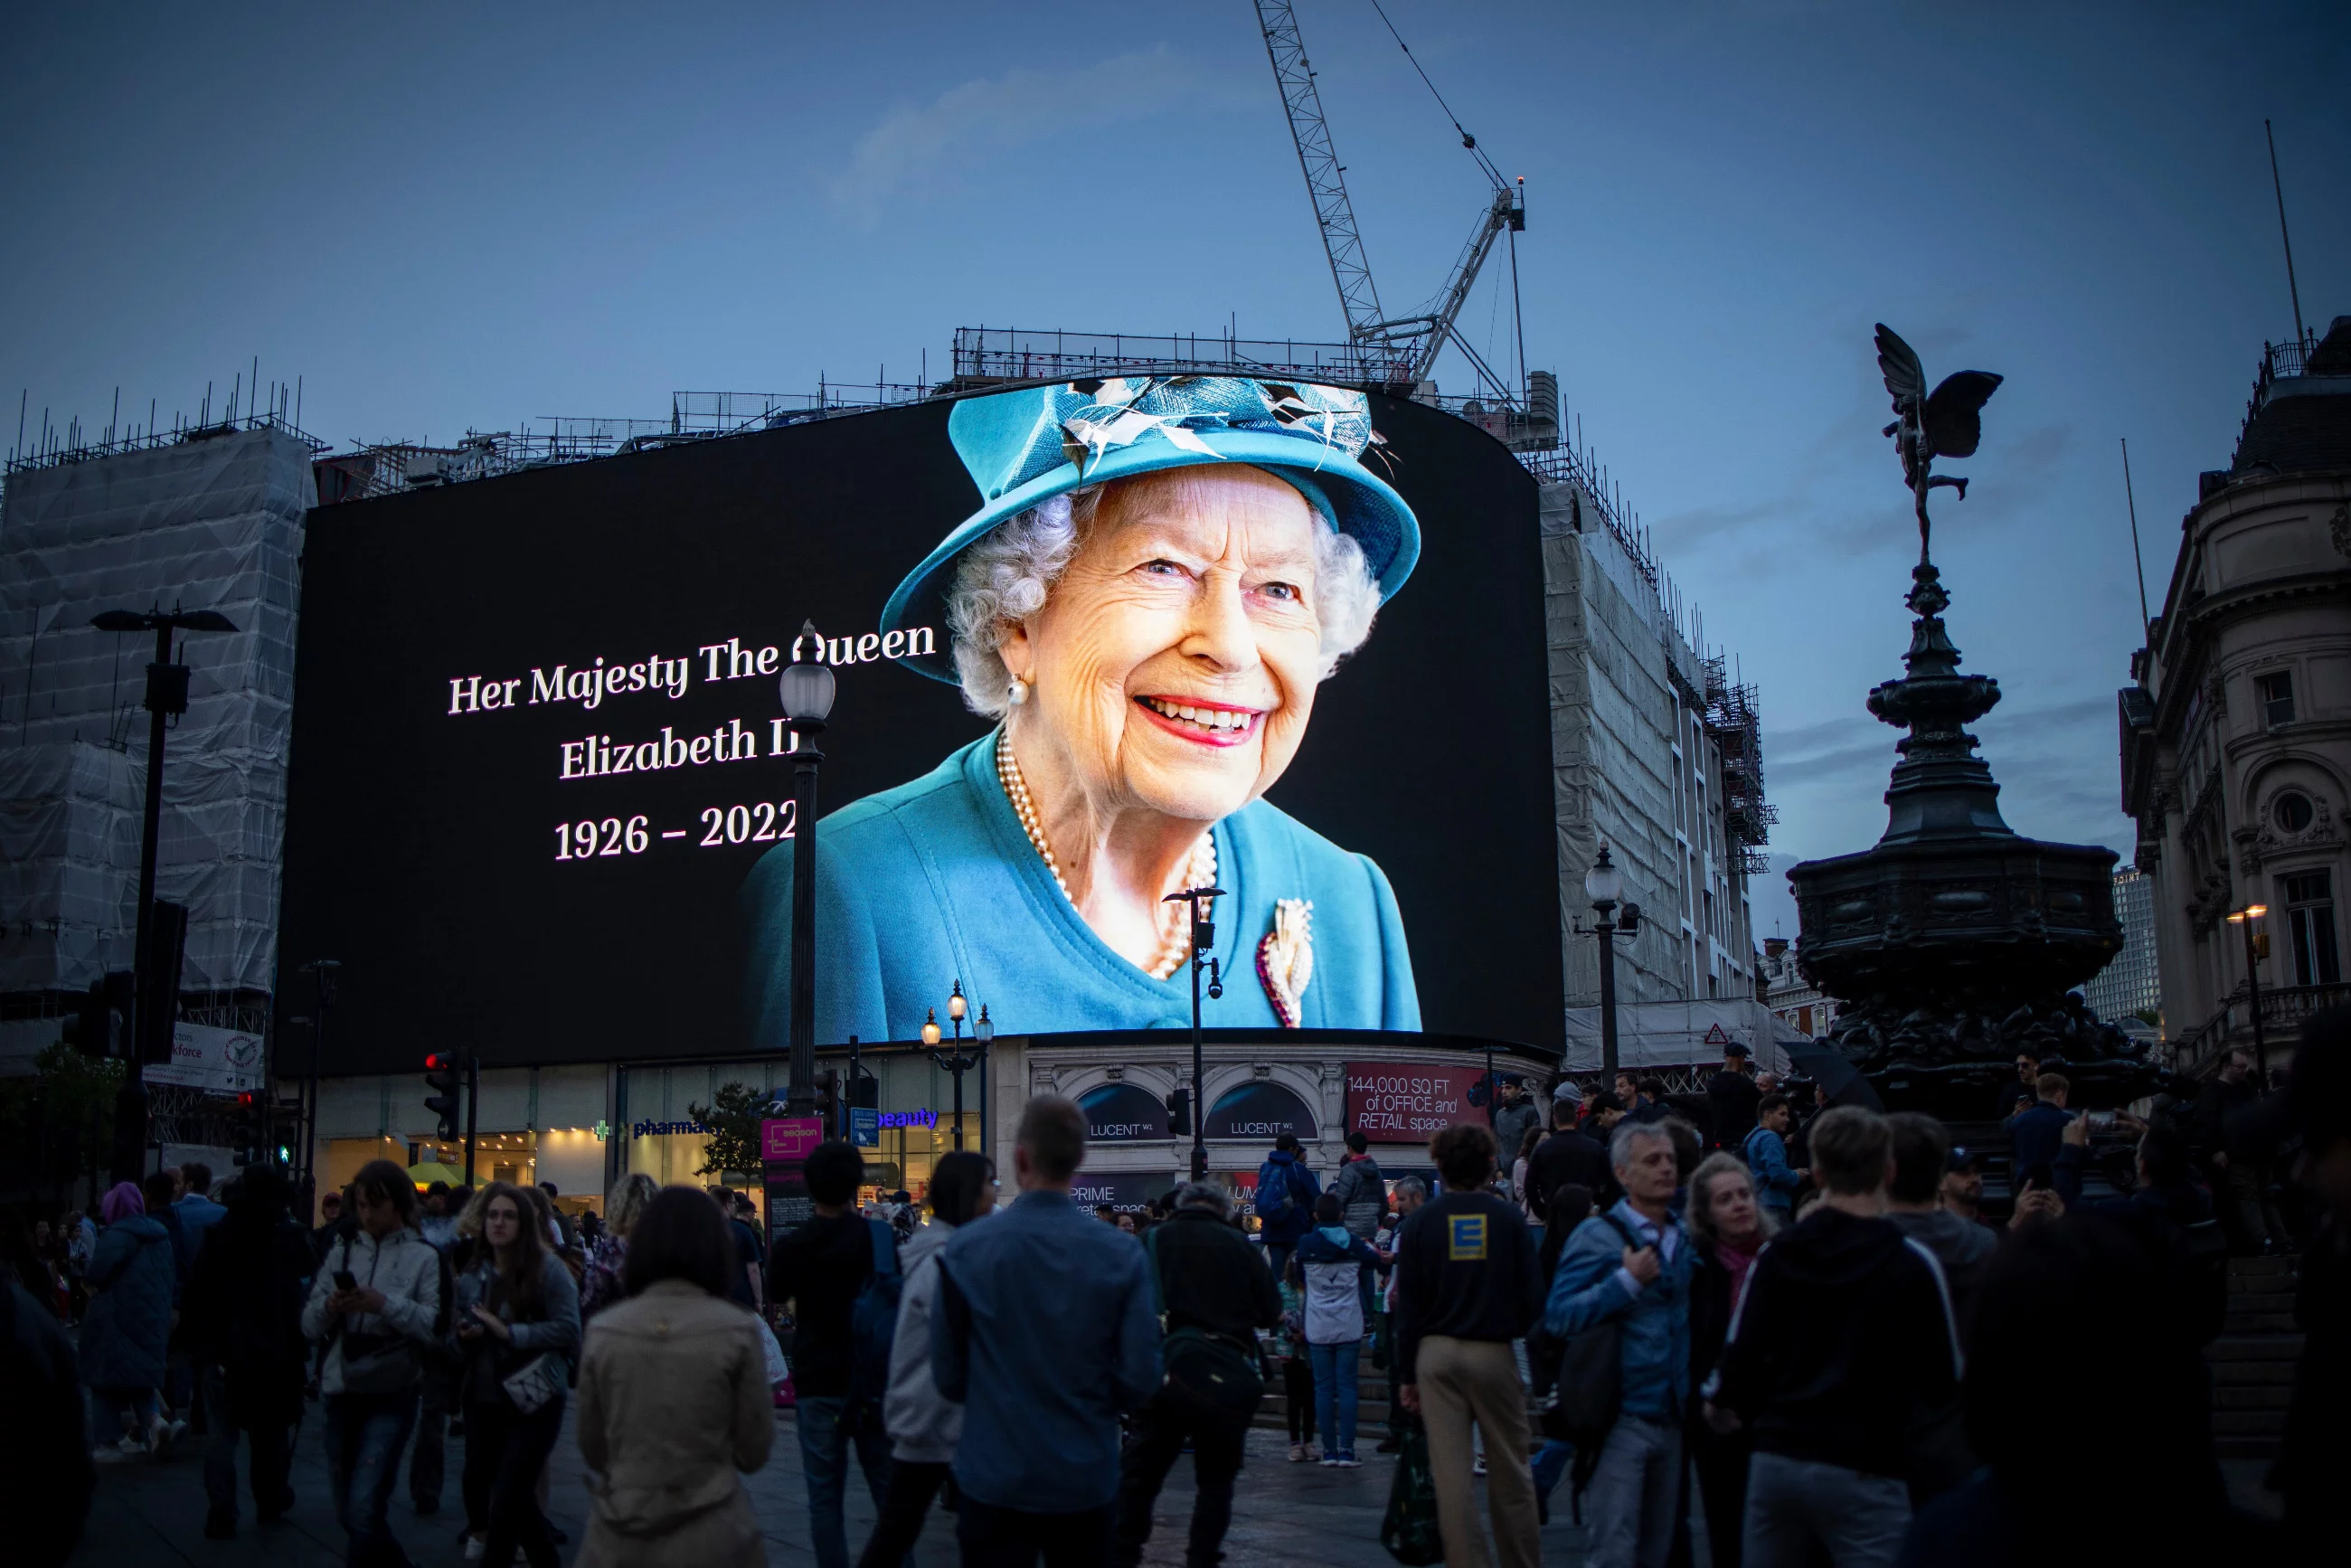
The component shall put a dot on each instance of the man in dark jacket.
(1514, 1113)
(1568, 1155)
(244, 1318)
(819, 1265)
(1210, 1282)
(1363, 1195)
(1465, 1287)
(1731, 1100)
(1843, 1348)
(1286, 1191)
(2038, 1133)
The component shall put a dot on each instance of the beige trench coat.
(673, 1401)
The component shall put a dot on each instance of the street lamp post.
(2257, 947)
(322, 970)
(953, 1058)
(806, 689)
(1605, 886)
(1204, 942)
(167, 695)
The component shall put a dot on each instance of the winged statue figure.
(1945, 422)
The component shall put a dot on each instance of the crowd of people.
(1793, 1341)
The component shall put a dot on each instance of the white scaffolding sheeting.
(210, 524)
(1679, 1034)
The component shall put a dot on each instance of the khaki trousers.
(1462, 1381)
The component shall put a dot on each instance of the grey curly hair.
(1005, 577)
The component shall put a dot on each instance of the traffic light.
(440, 1077)
(159, 1003)
(828, 1099)
(1179, 1113)
(865, 1092)
(98, 1027)
(248, 1135)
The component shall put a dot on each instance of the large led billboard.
(1090, 641)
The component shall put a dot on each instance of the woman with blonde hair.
(1728, 1227)
(600, 1284)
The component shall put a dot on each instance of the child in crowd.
(1289, 1346)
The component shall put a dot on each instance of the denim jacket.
(556, 1329)
(1775, 1180)
(1043, 1332)
(1592, 1286)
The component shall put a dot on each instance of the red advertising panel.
(1404, 1103)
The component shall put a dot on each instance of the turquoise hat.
(1026, 447)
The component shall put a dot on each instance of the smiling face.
(1174, 662)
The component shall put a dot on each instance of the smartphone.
(2040, 1175)
(2101, 1121)
(345, 1280)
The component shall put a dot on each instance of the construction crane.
(1403, 349)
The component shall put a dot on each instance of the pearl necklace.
(1175, 919)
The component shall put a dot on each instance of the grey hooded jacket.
(924, 1424)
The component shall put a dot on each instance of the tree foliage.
(733, 1117)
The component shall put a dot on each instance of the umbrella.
(1834, 1071)
(431, 1171)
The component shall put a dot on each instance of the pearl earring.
(1017, 692)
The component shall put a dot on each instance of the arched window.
(1123, 1114)
(1260, 1109)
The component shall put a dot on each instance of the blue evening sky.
(446, 216)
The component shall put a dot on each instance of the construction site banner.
(220, 1061)
(543, 787)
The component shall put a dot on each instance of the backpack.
(1275, 1200)
(873, 1324)
(1591, 1384)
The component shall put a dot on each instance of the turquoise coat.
(935, 881)
(132, 1279)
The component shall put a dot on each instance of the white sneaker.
(162, 1436)
(115, 1453)
(476, 1546)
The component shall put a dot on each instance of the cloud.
(967, 125)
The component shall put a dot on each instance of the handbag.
(538, 1381)
(372, 1363)
(1205, 1372)
(1409, 1529)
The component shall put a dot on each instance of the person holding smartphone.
(374, 1307)
(517, 1326)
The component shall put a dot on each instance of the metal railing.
(69, 445)
(2279, 361)
(2283, 1010)
(985, 354)
(1565, 465)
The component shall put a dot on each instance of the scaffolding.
(382, 468)
(207, 517)
(1734, 720)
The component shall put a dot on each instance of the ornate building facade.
(2236, 729)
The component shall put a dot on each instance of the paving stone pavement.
(150, 1515)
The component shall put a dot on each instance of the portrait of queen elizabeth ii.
(1161, 574)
